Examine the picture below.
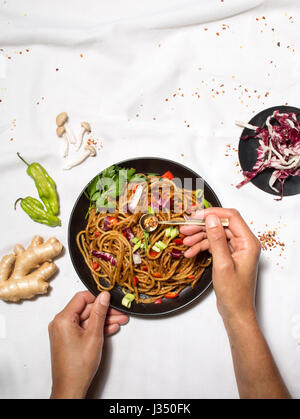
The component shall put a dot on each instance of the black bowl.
(248, 155)
(77, 223)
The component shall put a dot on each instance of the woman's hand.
(76, 341)
(235, 252)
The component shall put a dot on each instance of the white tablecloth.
(155, 78)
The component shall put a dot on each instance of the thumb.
(218, 243)
(98, 314)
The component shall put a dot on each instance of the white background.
(135, 55)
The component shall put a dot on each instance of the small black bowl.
(77, 223)
(248, 155)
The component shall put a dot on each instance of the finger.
(197, 248)
(85, 324)
(190, 230)
(110, 320)
(237, 225)
(78, 303)
(120, 319)
(111, 329)
(98, 314)
(113, 311)
(195, 238)
(86, 312)
(229, 234)
(218, 242)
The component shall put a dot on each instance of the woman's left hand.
(76, 341)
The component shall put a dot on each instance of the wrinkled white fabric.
(164, 79)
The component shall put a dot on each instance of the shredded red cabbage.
(106, 224)
(128, 233)
(175, 253)
(279, 149)
(105, 256)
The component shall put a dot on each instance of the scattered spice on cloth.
(269, 240)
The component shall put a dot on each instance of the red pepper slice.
(171, 295)
(157, 275)
(168, 175)
(135, 188)
(97, 234)
(178, 241)
(145, 268)
(158, 301)
(135, 281)
(112, 220)
(95, 265)
(153, 253)
(191, 277)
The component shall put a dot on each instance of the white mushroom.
(61, 132)
(61, 121)
(85, 128)
(89, 151)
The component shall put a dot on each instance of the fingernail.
(104, 298)
(187, 253)
(212, 221)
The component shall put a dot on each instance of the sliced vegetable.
(171, 295)
(105, 256)
(153, 253)
(168, 175)
(135, 240)
(156, 249)
(108, 222)
(174, 233)
(157, 275)
(145, 268)
(199, 193)
(136, 258)
(150, 210)
(136, 246)
(95, 265)
(146, 243)
(168, 231)
(206, 203)
(158, 301)
(175, 253)
(135, 281)
(127, 300)
(178, 241)
(161, 245)
(135, 200)
(279, 146)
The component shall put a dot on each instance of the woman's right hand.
(235, 252)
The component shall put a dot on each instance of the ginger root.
(24, 273)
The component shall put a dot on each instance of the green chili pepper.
(45, 186)
(35, 209)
